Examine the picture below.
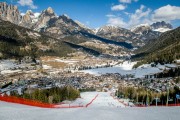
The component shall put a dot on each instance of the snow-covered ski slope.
(103, 108)
(103, 100)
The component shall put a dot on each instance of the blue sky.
(96, 13)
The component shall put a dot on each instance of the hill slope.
(17, 42)
(166, 48)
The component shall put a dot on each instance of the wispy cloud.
(127, 1)
(28, 3)
(140, 16)
(144, 15)
(118, 7)
(116, 21)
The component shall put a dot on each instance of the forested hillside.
(17, 42)
(165, 49)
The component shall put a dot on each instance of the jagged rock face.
(60, 26)
(9, 13)
(138, 36)
(26, 20)
(46, 22)
(63, 26)
(161, 25)
(49, 11)
(44, 19)
(145, 32)
(141, 29)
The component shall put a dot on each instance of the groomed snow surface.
(103, 108)
(102, 100)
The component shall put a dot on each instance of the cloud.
(140, 16)
(27, 3)
(118, 7)
(127, 13)
(116, 21)
(127, 1)
(110, 15)
(166, 13)
(144, 15)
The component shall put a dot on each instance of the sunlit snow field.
(127, 68)
(103, 108)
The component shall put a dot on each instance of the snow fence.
(13, 99)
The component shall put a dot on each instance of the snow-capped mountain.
(158, 27)
(46, 21)
(161, 26)
(145, 32)
(60, 26)
(28, 19)
(12, 14)
(139, 29)
(9, 13)
(43, 19)
(137, 35)
(115, 33)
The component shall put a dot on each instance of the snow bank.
(11, 111)
(66, 61)
(178, 61)
(10, 71)
(7, 64)
(46, 67)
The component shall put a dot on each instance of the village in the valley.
(83, 73)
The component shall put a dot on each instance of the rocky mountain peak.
(65, 16)
(80, 24)
(29, 12)
(26, 20)
(111, 28)
(161, 26)
(49, 11)
(140, 29)
(44, 18)
(9, 13)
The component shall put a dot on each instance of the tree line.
(52, 95)
(144, 96)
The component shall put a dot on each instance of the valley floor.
(103, 108)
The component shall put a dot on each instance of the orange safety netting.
(13, 99)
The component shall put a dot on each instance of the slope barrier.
(91, 101)
(12, 99)
(23, 101)
(169, 105)
(111, 94)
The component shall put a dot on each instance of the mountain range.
(47, 21)
(63, 28)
